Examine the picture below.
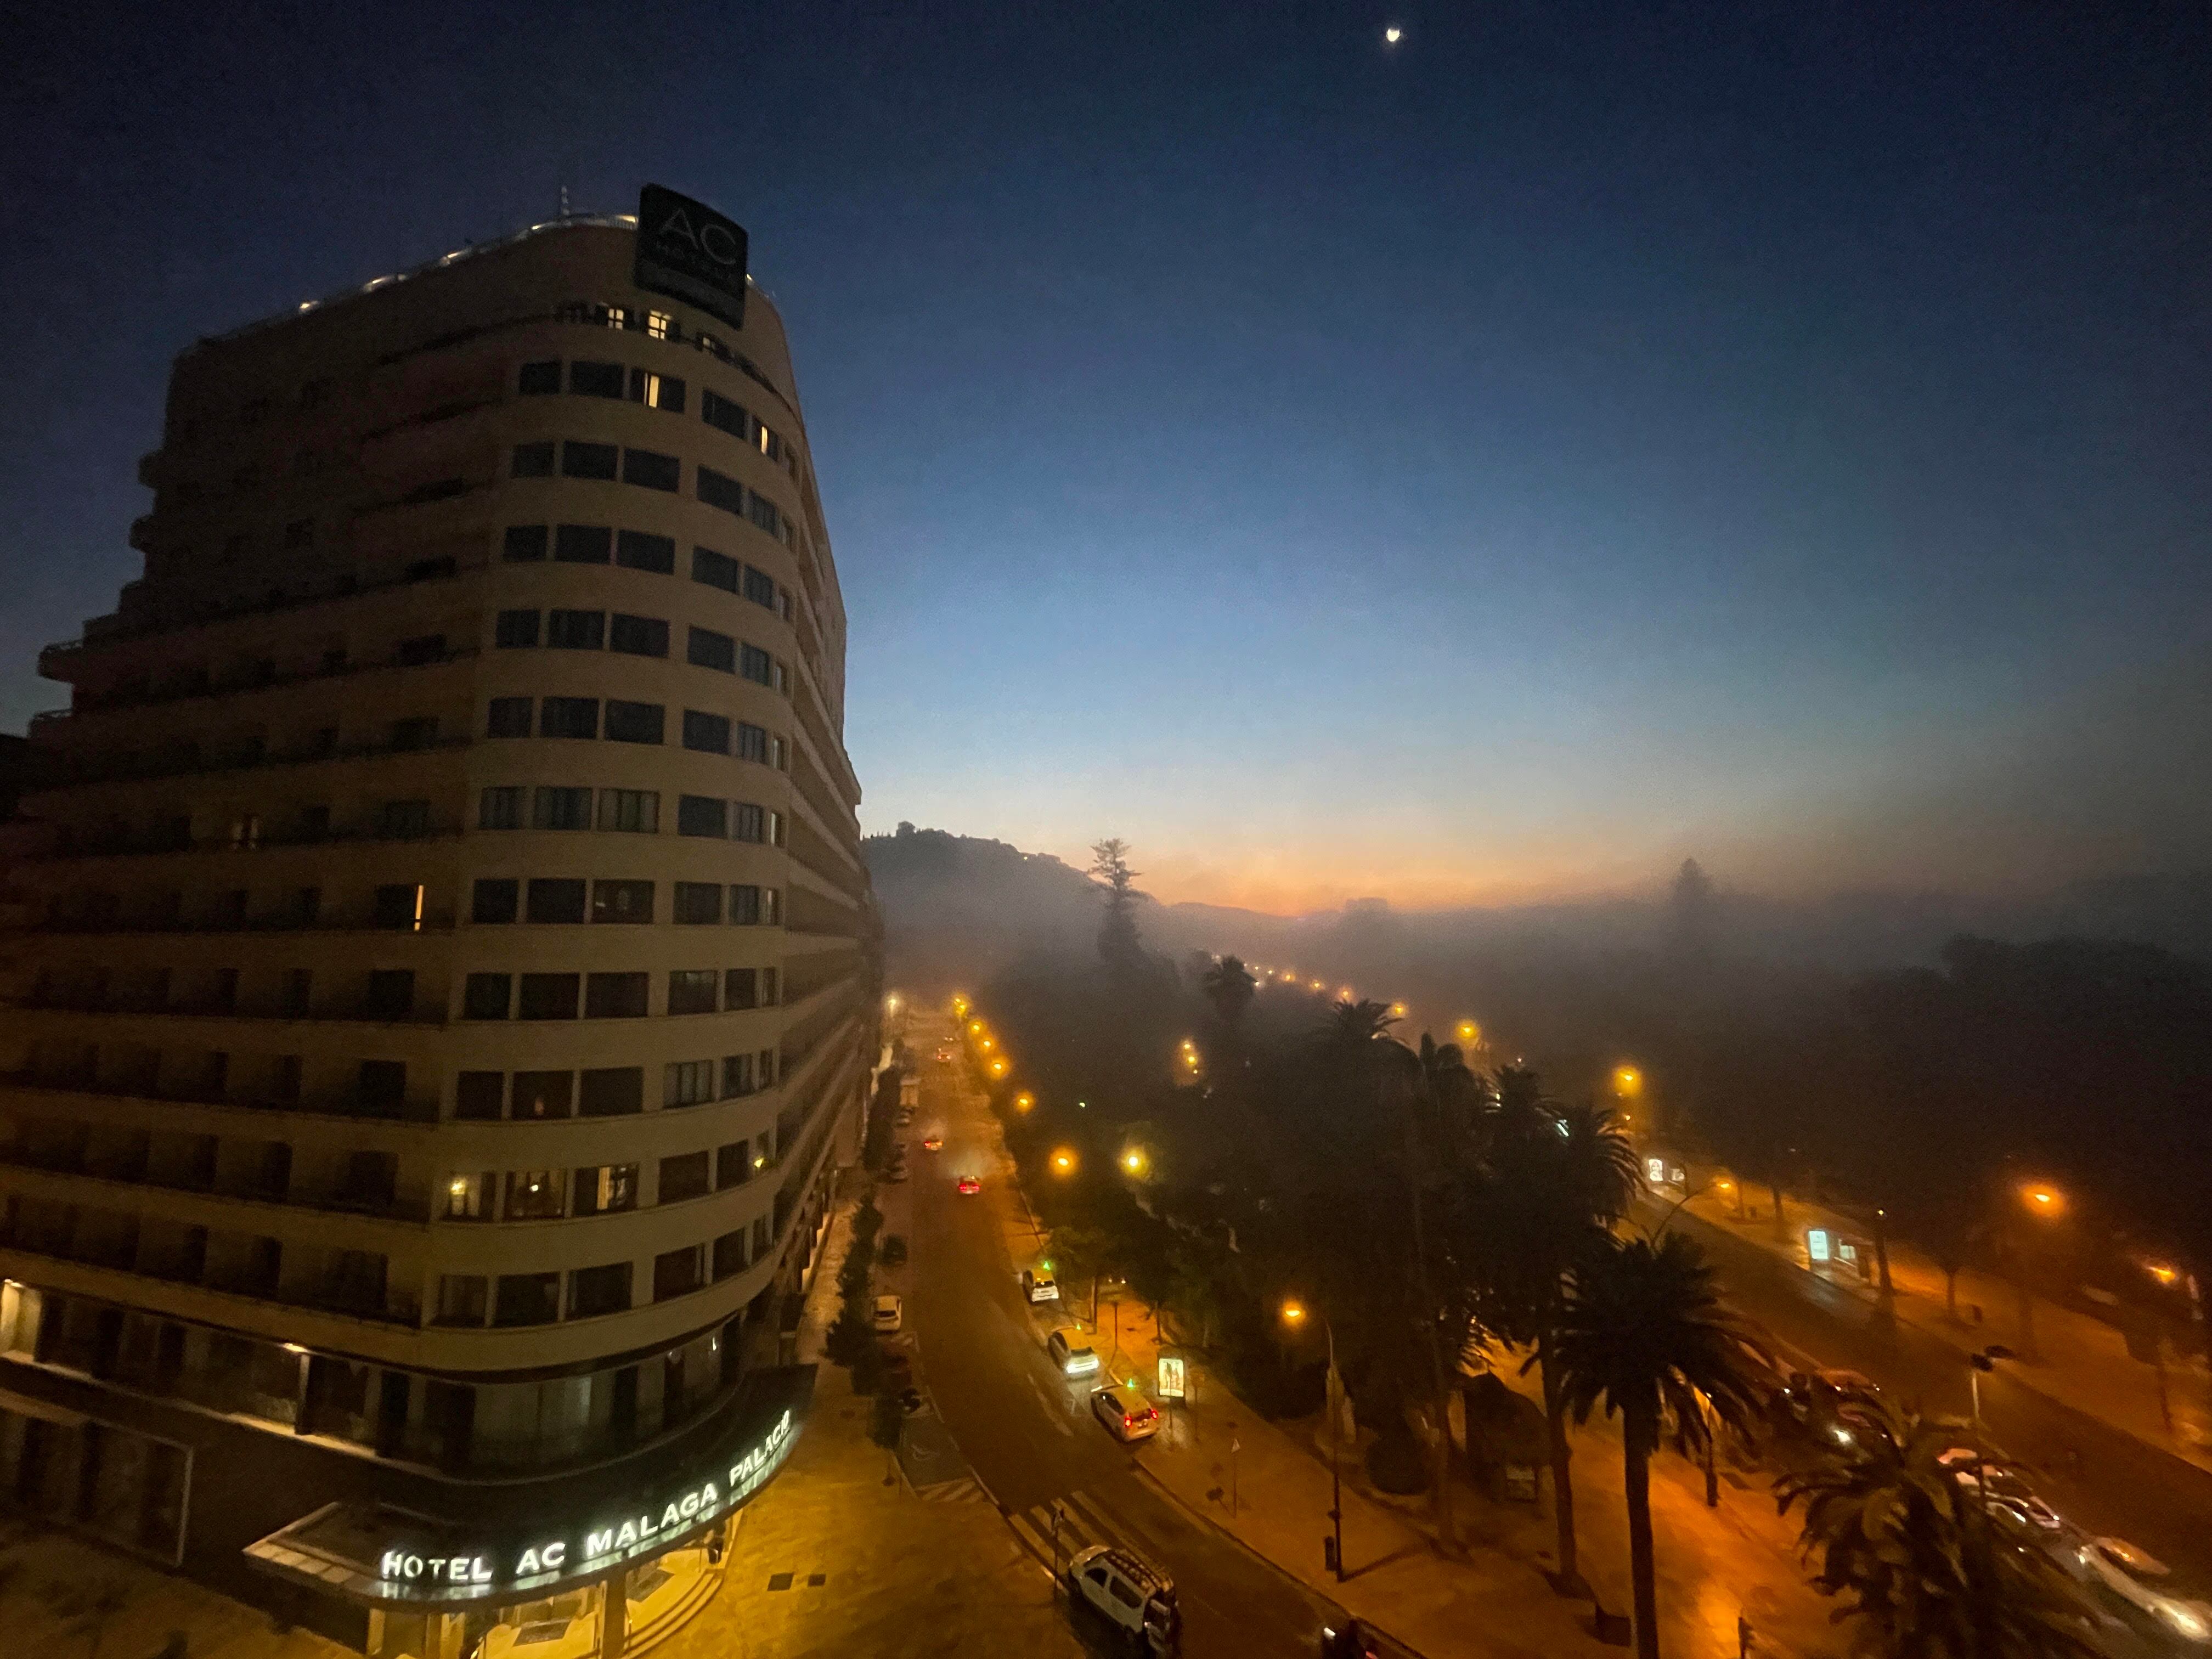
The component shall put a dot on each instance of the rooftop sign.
(691, 253)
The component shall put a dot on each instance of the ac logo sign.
(691, 253)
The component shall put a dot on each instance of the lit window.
(656, 325)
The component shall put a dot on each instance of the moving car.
(1071, 1352)
(891, 1313)
(933, 1144)
(1133, 1596)
(2127, 1576)
(1127, 1413)
(2009, 1498)
(969, 1184)
(1039, 1285)
(1820, 1403)
(945, 1056)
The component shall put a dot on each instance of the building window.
(576, 630)
(390, 993)
(744, 905)
(772, 906)
(774, 829)
(637, 811)
(397, 905)
(757, 665)
(684, 1176)
(737, 1076)
(533, 1195)
(470, 1197)
(515, 630)
(707, 649)
(637, 550)
(542, 1096)
(752, 741)
(698, 902)
(587, 461)
(613, 1091)
(528, 1299)
(554, 899)
(583, 543)
(381, 1085)
(652, 471)
(398, 819)
(717, 491)
(533, 460)
(493, 899)
(507, 717)
(637, 636)
(658, 324)
(688, 1083)
(760, 587)
(568, 717)
(602, 1290)
(616, 996)
(720, 412)
(692, 991)
(708, 733)
(700, 815)
(715, 569)
(635, 722)
(526, 544)
(417, 732)
(747, 821)
(299, 992)
(539, 379)
(461, 1298)
(741, 988)
(606, 1189)
(763, 511)
(486, 996)
(675, 1272)
(548, 996)
(558, 806)
(597, 379)
(729, 1253)
(621, 901)
(479, 1097)
(656, 391)
(733, 1166)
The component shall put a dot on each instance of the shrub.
(883, 1422)
(1396, 1463)
(852, 1336)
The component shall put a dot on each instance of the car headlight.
(2182, 1619)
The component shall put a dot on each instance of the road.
(1024, 1431)
(2106, 1482)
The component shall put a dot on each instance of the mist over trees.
(1882, 1052)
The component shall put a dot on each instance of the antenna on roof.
(564, 201)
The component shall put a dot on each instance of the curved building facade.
(450, 980)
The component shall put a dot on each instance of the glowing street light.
(1294, 1313)
(1626, 1079)
(1023, 1100)
(960, 1006)
(1063, 1161)
(1467, 1032)
(2043, 1199)
(1135, 1161)
(998, 1068)
(1294, 1317)
(1398, 1011)
(975, 1028)
(1316, 984)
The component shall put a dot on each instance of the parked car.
(1821, 1404)
(933, 1144)
(1071, 1353)
(1039, 1285)
(1127, 1413)
(891, 1314)
(1134, 1597)
(2008, 1497)
(970, 1186)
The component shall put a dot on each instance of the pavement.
(1235, 1507)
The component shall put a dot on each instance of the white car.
(891, 1314)
(2127, 1572)
(1127, 1413)
(1134, 1597)
(1038, 1285)
(1071, 1353)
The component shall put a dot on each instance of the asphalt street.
(1026, 1432)
(2108, 1483)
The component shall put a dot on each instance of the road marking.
(951, 1492)
(1055, 1414)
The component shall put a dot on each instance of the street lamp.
(1468, 1033)
(1063, 1162)
(1023, 1100)
(1294, 1316)
(1134, 1161)
(1984, 1360)
(2043, 1202)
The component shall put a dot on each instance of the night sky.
(1491, 466)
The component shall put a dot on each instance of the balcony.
(342, 1104)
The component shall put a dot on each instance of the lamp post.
(1294, 1316)
(1983, 1360)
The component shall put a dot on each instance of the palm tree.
(1929, 1574)
(1229, 986)
(1558, 1178)
(1642, 1331)
(1351, 1026)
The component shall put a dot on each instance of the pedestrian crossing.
(1081, 1522)
(964, 1490)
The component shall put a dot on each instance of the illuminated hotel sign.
(691, 253)
(572, 1529)
(416, 1571)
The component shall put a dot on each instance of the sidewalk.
(2083, 1362)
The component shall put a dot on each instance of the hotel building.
(448, 980)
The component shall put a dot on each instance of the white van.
(1134, 1597)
